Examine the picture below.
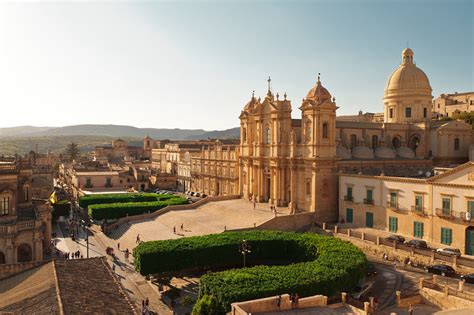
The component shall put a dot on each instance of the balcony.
(369, 201)
(466, 216)
(418, 210)
(394, 207)
(445, 213)
(349, 198)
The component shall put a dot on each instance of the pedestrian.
(118, 246)
(138, 239)
(146, 301)
(254, 204)
(143, 303)
(278, 298)
(113, 268)
(410, 309)
(296, 298)
(182, 226)
(174, 229)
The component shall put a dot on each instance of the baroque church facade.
(294, 162)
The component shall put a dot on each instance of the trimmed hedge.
(121, 209)
(86, 201)
(320, 264)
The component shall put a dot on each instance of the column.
(312, 207)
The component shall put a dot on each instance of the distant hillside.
(22, 145)
(116, 131)
(21, 130)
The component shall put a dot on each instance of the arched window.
(308, 187)
(24, 253)
(396, 142)
(375, 141)
(2, 258)
(456, 144)
(353, 141)
(325, 130)
(269, 135)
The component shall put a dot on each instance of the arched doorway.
(396, 142)
(414, 143)
(470, 240)
(24, 253)
(2, 258)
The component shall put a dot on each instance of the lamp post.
(86, 227)
(244, 249)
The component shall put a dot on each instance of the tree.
(72, 151)
(207, 305)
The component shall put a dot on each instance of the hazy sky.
(192, 64)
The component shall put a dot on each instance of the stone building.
(294, 162)
(438, 209)
(25, 227)
(215, 170)
(446, 105)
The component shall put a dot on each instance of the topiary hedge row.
(320, 264)
(86, 201)
(122, 209)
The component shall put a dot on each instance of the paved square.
(210, 218)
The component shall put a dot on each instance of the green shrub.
(319, 264)
(207, 305)
(86, 201)
(121, 209)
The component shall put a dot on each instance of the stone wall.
(7, 270)
(270, 304)
(445, 302)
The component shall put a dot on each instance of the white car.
(362, 290)
(449, 251)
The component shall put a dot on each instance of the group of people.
(145, 304)
(182, 228)
(74, 255)
(294, 298)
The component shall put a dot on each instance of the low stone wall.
(152, 215)
(405, 302)
(291, 222)
(7, 270)
(270, 304)
(444, 301)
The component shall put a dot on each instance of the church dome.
(405, 152)
(408, 78)
(250, 104)
(384, 153)
(343, 153)
(318, 93)
(362, 152)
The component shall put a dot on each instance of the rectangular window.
(108, 182)
(470, 207)
(447, 206)
(369, 195)
(418, 229)
(349, 194)
(88, 182)
(393, 199)
(425, 112)
(391, 112)
(5, 206)
(393, 224)
(408, 112)
(419, 203)
(446, 236)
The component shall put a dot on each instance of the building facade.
(438, 209)
(25, 227)
(446, 105)
(293, 162)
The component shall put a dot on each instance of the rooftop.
(81, 286)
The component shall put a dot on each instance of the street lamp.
(244, 249)
(86, 227)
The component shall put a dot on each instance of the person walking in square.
(138, 239)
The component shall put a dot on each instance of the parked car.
(417, 244)
(203, 195)
(396, 238)
(371, 271)
(444, 270)
(197, 194)
(449, 251)
(362, 290)
(469, 278)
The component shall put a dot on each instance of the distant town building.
(446, 105)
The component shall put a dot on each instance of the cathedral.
(295, 162)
